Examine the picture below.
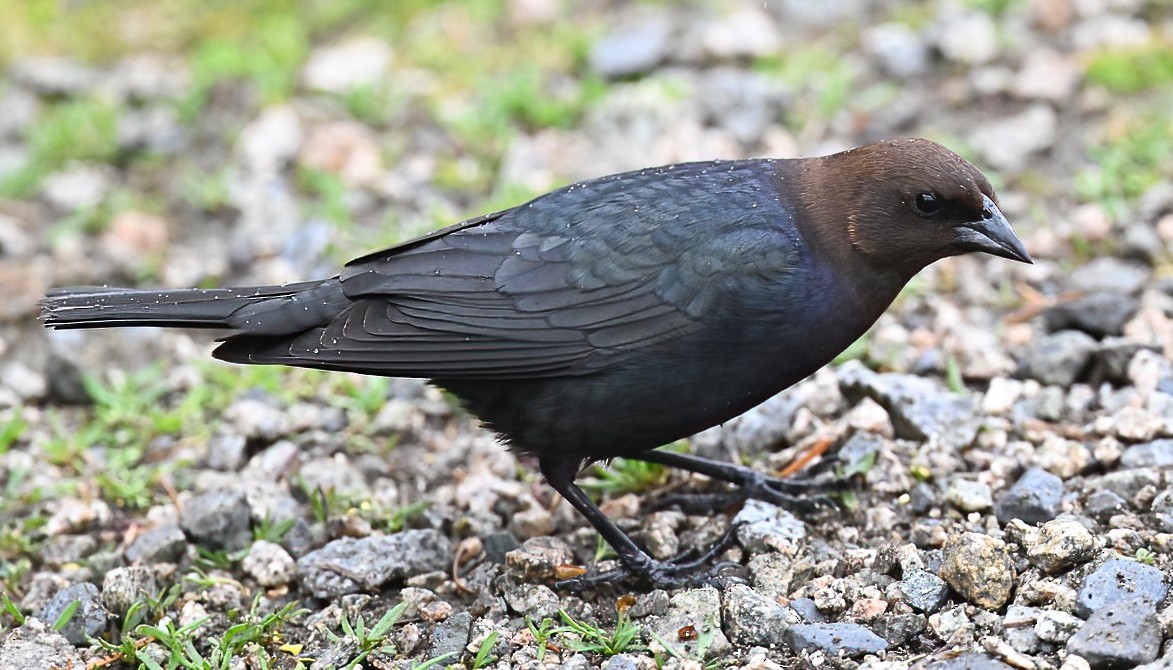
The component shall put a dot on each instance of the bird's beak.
(991, 234)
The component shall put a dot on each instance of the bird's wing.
(561, 286)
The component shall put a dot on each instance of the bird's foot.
(797, 495)
(689, 569)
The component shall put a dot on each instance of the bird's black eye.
(927, 203)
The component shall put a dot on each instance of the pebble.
(497, 545)
(451, 635)
(1036, 497)
(762, 526)
(270, 141)
(269, 563)
(979, 569)
(632, 49)
(898, 629)
(352, 565)
(537, 601)
(838, 639)
(1047, 75)
(1099, 314)
(1056, 626)
(79, 186)
(746, 33)
(1155, 454)
(1103, 504)
(1124, 633)
(538, 558)
(806, 610)
(698, 608)
(967, 661)
(257, 419)
(161, 544)
(924, 590)
(968, 37)
(1059, 358)
(1060, 545)
(122, 587)
(968, 495)
(1111, 275)
(218, 519)
(51, 75)
(88, 620)
(354, 64)
(1009, 143)
(1120, 579)
(1018, 628)
(36, 645)
(920, 408)
(899, 50)
(752, 619)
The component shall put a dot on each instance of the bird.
(616, 315)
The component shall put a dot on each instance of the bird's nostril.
(987, 213)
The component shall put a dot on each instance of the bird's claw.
(688, 569)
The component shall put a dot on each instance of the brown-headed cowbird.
(616, 315)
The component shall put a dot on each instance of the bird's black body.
(602, 319)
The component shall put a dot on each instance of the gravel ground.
(1008, 430)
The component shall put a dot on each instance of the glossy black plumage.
(615, 315)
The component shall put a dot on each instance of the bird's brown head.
(908, 202)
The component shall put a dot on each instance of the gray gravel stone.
(162, 544)
(1060, 358)
(699, 608)
(968, 495)
(496, 545)
(1099, 314)
(766, 527)
(1111, 360)
(967, 37)
(924, 590)
(538, 558)
(1056, 626)
(898, 629)
(978, 568)
(34, 646)
(1109, 274)
(88, 620)
(919, 407)
(1123, 634)
(846, 639)
(898, 49)
(1103, 504)
(218, 519)
(1060, 545)
(122, 587)
(1155, 454)
(970, 661)
(1008, 143)
(632, 49)
(1036, 497)
(806, 610)
(536, 600)
(751, 619)
(1018, 628)
(1120, 579)
(269, 564)
(450, 636)
(350, 565)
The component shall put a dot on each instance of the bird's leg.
(790, 494)
(637, 563)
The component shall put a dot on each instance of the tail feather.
(257, 310)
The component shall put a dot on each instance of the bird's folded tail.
(258, 310)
